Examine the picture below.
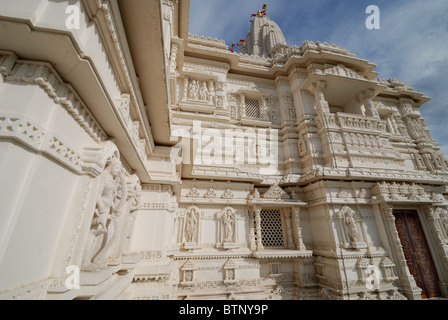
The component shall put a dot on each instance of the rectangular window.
(252, 108)
(272, 228)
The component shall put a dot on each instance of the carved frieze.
(46, 77)
(343, 71)
(399, 191)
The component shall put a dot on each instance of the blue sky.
(411, 44)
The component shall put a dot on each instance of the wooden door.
(416, 252)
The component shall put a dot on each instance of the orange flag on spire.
(259, 13)
(253, 15)
(263, 13)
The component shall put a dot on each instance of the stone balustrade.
(359, 122)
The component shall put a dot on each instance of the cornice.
(43, 75)
(103, 13)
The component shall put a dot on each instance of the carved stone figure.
(105, 205)
(191, 225)
(203, 92)
(437, 161)
(134, 196)
(193, 89)
(110, 201)
(228, 220)
(352, 228)
(188, 276)
(444, 220)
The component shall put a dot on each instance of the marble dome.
(262, 37)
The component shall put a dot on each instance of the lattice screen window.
(271, 228)
(252, 108)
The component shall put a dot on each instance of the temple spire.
(263, 36)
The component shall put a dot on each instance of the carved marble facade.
(168, 167)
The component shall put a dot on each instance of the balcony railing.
(351, 121)
(355, 122)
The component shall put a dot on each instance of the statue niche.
(201, 91)
(227, 228)
(191, 228)
(350, 225)
(110, 202)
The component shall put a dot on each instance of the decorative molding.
(32, 135)
(213, 284)
(62, 93)
(400, 191)
(342, 193)
(120, 54)
(35, 291)
(228, 194)
(275, 192)
(197, 67)
(343, 71)
(155, 206)
(210, 193)
(193, 193)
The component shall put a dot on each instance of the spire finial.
(264, 12)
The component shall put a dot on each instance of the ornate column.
(297, 231)
(366, 97)
(264, 109)
(253, 245)
(321, 105)
(431, 217)
(173, 62)
(186, 83)
(436, 218)
(242, 106)
(258, 228)
(287, 216)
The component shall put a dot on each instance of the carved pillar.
(258, 228)
(287, 216)
(297, 230)
(321, 105)
(324, 121)
(211, 92)
(186, 83)
(242, 106)
(366, 97)
(438, 222)
(431, 216)
(173, 62)
(253, 245)
(134, 199)
(264, 109)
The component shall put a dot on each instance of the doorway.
(417, 253)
